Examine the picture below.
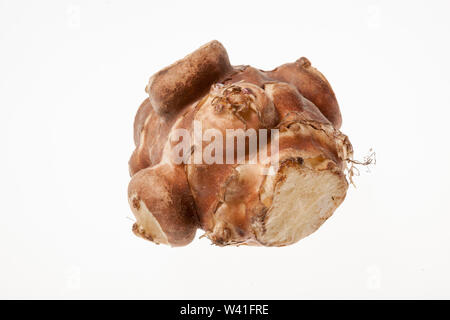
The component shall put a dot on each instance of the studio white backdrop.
(72, 75)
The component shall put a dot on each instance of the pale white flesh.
(147, 225)
(302, 201)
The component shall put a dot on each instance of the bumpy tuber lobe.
(239, 202)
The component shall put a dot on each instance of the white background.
(72, 75)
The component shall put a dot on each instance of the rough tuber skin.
(237, 203)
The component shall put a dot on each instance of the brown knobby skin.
(250, 202)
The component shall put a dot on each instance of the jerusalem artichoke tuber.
(248, 199)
